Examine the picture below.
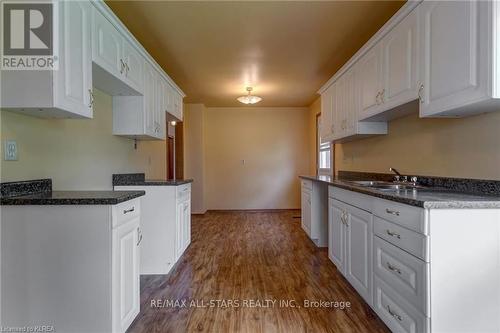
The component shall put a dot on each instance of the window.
(324, 153)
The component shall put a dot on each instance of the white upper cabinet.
(62, 93)
(117, 65)
(340, 103)
(399, 66)
(132, 67)
(370, 81)
(459, 57)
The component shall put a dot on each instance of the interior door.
(451, 54)
(336, 244)
(359, 251)
(400, 63)
(126, 274)
(73, 87)
(370, 81)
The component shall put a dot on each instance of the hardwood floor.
(251, 256)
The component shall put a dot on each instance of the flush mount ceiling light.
(249, 99)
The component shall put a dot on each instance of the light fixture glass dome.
(249, 98)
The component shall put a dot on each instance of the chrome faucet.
(398, 176)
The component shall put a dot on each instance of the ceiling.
(286, 50)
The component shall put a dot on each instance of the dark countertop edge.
(154, 182)
(31, 201)
(456, 204)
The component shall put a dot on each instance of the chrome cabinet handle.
(126, 211)
(393, 268)
(91, 97)
(394, 314)
(126, 69)
(393, 234)
(382, 95)
(122, 66)
(377, 98)
(393, 212)
(139, 236)
(420, 90)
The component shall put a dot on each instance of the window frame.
(323, 147)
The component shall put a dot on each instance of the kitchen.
(339, 196)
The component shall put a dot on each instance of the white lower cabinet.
(73, 267)
(351, 245)
(416, 267)
(314, 211)
(165, 225)
(126, 287)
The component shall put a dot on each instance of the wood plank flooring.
(245, 256)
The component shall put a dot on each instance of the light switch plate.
(10, 151)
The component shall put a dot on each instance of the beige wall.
(254, 157)
(76, 154)
(194, 154)
(466, 148)
(314, 110)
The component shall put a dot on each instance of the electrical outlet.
(10, 150)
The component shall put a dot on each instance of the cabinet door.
(162, 100)
(125, 275)
(370, 81)
(358, 267)
(106, 44)
(306, 211)
(336, 239)
(134, 63)
(451, 54)
(400, 63)
(179, 230)
(187, 224)
(73, 80)
(150, 126)
(326, 115)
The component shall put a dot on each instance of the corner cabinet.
(62, 93)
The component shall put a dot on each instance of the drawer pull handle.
(393, 212)
(393, 268)
(139, 233)
(126, 211)
(394, 314)
(393, 234)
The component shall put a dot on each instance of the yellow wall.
(465, 148)
(194, 154)
(76, 154)
(252, 156)
(314, 110)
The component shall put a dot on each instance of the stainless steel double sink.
(386, 186)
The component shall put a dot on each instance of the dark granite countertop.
(431, 197)
(138, 179)
(72, 198)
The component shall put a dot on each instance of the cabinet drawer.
(403, 272)
(408, 240)
(407, 216)
(395, 312)
(125, 211)
(306, 184)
